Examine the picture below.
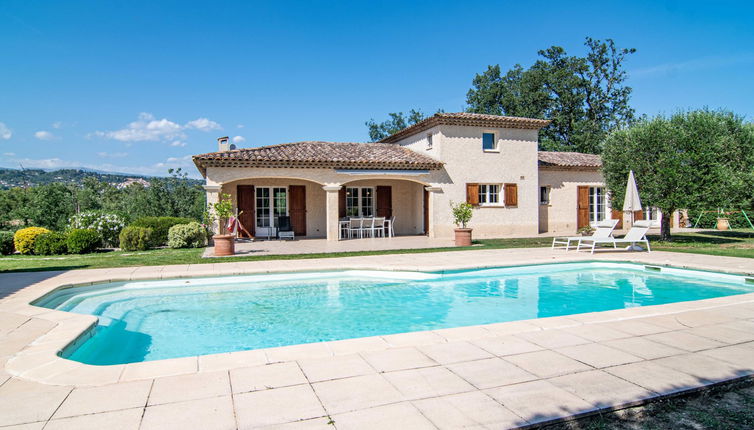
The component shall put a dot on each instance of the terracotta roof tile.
(569, 159)
(337, 155)
(468, 119)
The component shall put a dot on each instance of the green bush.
(160, 227)
(83, 241)
(134, 238)
(24, 239)
(107, 224)
(6, 242)
(191, 235)
(52, 243)
(709, 219)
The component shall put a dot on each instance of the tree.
(690, 160)
(51, 205)
(397, 122)
(585, 97)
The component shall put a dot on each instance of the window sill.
(491, 150)
(482, 205)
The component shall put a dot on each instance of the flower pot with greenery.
(585, 231)
(222, 211)
(462, 213)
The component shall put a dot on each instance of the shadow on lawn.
(17, 280)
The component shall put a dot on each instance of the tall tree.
(690, 160)
(585, 97)
(397, 122)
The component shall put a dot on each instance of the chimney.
(224, 145)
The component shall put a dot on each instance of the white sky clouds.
(239, 139)
(112, 154)
(149, 129)
(178, 143)
(44, 135)
(5, 132)
(203, 124)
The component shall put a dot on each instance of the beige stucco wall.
(407, 203)
(559, 217)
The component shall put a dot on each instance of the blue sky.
(139, 86)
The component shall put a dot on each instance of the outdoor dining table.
(343, 225)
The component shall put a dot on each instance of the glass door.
(272, 202)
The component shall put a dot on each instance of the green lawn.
(738, 243)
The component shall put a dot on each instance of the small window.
(429, 140)
(488, 142)
(544, 195)
(489, 194)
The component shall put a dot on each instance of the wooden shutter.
(582, 207)
(472, 194)
(297, 210)
(426, 212)
(384, 201)
(511, 194)
(342, 202)
(619, 216)
(246, 200)
(638, 215)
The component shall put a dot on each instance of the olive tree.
(690, 160)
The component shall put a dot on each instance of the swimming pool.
(152, 320)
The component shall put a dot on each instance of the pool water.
(151, 320)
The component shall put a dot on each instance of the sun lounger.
(637, 234)
(604, 230)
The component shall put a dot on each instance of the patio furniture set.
(603, 235)
(361, 227)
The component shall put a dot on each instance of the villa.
(489, 161)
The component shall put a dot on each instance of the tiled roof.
(336, 155)
(569, 159)
(468, 119)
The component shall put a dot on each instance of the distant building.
(130, 181)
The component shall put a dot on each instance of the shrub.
(134, 238)
(106, 224)
(52, 243)
(83, 241)
(160, 227)
(191, 235)
(6, 242)
(24, 239)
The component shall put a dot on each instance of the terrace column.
(213, 196)
(432, 205)
(331, 209)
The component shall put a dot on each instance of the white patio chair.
(355, 227)
(378, 227)
(637, 234)
(367, 227)
(391, 226)
(604, 230)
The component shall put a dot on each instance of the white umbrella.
(631, 202)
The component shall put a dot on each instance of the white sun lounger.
(604, 230)
(637, 234)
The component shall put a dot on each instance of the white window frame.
(594, 215)
(485, 195)
(429, 141)
(270, 205)
(360, 197)
(653, 215)
(496, 148)
(547, 193)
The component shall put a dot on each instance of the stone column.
(213, 196)
(433, 196)
(331, 209)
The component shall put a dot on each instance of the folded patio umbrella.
(631, 201)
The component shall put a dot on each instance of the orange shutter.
(472, 194)
(638, 215)
(511, 194)
(617, 214)
(582, 207)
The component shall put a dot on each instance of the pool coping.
(40, 360)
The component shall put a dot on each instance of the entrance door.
(297, 209)
(245, 199)
(582, 207)
(384, 201)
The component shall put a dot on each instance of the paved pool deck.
(504, 375)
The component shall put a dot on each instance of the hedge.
(83, 241)
(24, 239)
(709, 219)
(134, 238)
(160, 227)
(52, 243)
(6, 242)
(191, 235)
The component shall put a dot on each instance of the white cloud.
(5, 132)
(9, 154)
(203, 124)
(112, 154)
(239, 139)
(44, 135)
(57, 124)
(145, 128)
(178, 143)
(240, 126)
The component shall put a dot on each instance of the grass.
(729, 406)
(738, 243)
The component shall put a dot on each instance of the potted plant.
(723, 223)
(462, 213)
(585, 231)
(222, 211)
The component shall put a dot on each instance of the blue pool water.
(151, 320)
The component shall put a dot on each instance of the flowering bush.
(108, 225)
(191, 235)
(24, 239)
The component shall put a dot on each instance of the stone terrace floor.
(491, 376)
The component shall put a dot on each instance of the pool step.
(653, 268)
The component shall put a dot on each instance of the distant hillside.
(10, 178)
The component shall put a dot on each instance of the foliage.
(83, 241)
(709, 218)
(133, 238)
(51, 205)
(160, 226)
(462, 213)
(397, 122)
(107, 224)
(52, 243)
(585, 97)
(191, 235)
(694, 160)
(6, 242)
(586, 230)
(221, 211)
(34, 177)
(24, 239)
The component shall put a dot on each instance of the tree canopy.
(690, 160)
(397, 122)
(585, 97)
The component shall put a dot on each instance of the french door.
(271, 202)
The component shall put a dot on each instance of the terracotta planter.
(723, 224)
(463, 236)
(224, 245)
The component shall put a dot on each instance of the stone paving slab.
(493, 376)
